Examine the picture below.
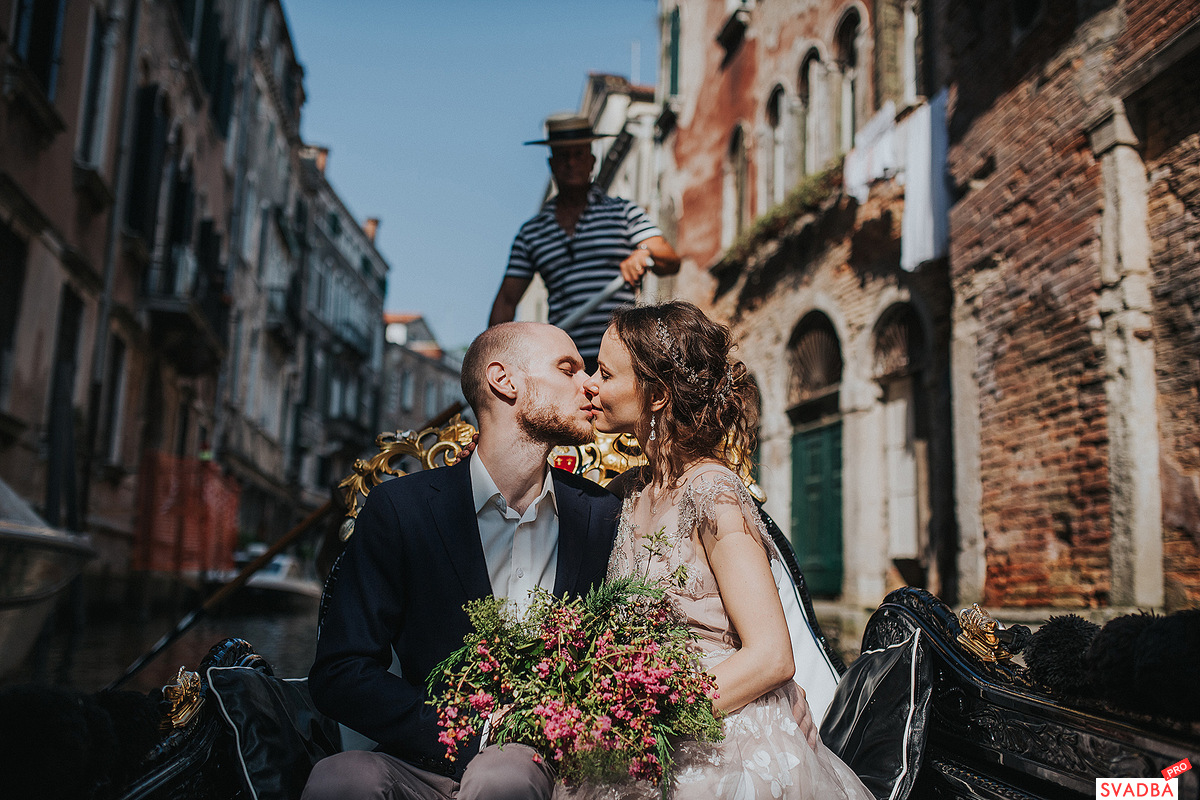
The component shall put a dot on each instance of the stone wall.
(842, 261)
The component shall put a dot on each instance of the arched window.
(815, 357)
(816, 360)
(811, 112)
(736, 200)
(899, 343)
(846, 42)
(776, 161)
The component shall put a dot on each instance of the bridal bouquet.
(602, 685)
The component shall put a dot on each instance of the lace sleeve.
(716, 504)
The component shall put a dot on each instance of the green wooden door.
(817, 507)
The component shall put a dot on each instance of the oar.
(220, 595)
(571, 320)
(254, 566)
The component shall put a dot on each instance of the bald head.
(507, 342)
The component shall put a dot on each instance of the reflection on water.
(104, 649)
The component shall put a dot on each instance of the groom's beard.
(544, 423)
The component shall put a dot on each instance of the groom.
(499, 522)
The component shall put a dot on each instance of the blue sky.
(424, 106)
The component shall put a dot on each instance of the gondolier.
(580, 241)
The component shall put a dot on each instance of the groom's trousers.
(508, 772)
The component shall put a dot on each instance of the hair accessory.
(653, 435)
(725, 390)
(672, 348)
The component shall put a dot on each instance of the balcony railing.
(352, 334)
(188, 312)
(284, 318)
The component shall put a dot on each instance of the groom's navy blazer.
(414, 560)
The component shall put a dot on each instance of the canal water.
(101, 651)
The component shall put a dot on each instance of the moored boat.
(37, 562)
(283, 584)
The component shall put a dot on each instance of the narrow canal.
(103, 649)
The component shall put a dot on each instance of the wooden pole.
(221, 595)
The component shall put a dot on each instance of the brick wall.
(1172, 153)
(1149, 24)
(1029, 215)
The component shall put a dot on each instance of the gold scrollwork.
(184, 697)
(979, 637)
(601, 461)
(428, 447)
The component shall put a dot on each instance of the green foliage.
(805, 198)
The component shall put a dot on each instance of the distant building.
(345, 283)
(190, 336)
(420, 379)
(261, 373)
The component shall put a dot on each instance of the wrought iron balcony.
(284, 313)
(353, 335)
(188, 314)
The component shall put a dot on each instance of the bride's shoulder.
(711, 477)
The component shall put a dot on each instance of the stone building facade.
(261, 376)
(115, 205)
(957, 245)
(340, 359)
(789, 133)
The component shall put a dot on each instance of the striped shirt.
(575, 268)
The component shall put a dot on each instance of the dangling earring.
(653, 435)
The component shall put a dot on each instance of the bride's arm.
(751, 600)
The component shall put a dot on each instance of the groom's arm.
(349, 679)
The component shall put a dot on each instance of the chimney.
(370, 227)
(322, 158)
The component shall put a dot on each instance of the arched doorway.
(815, 358)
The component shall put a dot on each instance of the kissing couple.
(502, 522)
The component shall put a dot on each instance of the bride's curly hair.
(712, 403)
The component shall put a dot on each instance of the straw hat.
(565, 129)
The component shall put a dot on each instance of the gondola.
(938, 705)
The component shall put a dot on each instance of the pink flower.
(482, 702)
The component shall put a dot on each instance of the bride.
(665, 376)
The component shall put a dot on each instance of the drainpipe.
(111, 243)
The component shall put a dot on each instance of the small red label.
(566, 461)
(1176, 769)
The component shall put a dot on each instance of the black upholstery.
(877, 721)
(278, 734)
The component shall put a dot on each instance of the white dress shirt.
(521, 550)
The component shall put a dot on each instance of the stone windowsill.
(91, 186)
(21, 89)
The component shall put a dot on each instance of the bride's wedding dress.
(764, 753)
